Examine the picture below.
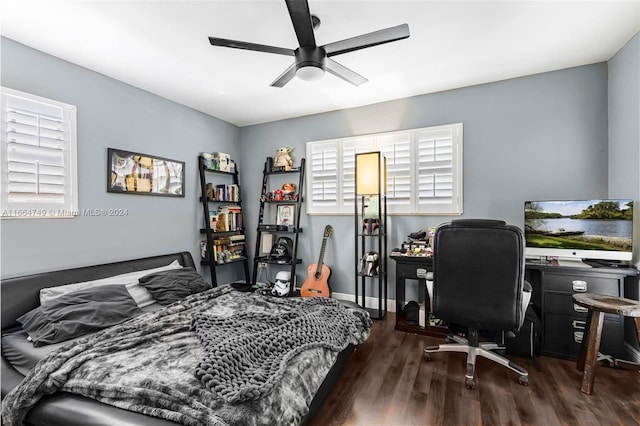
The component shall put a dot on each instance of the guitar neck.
(321, 258)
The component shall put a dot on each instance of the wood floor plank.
(387, 382)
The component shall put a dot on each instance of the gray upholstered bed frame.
(21, 294)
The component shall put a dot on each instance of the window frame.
(37, 105)
(388, 141)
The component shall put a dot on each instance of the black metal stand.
(371, 234)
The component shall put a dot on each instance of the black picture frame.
(142, 174)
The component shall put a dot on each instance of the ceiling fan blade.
(344, 73)
(285, 77)
(367, 40)
(215, 41)
(301, 19)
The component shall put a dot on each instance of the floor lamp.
(370, 226)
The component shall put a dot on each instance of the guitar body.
(317, 283)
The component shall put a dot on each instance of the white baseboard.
(370, 302)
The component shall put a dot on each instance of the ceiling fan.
(311, 60)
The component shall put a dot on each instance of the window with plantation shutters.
(424, 171)
(323, 170)
(38, 157)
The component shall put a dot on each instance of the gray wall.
(537, 137)
(624, 146)
(624, 128)
(110, 114)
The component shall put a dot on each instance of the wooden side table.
(598, 305)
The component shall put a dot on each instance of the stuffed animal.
(283, 160)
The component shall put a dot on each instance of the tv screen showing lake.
(592, 227)
(590, 224)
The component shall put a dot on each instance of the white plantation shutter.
(38, 157)
(439, 173)
(350, 148)
(397, 150)
(424, 170)
(323, 180)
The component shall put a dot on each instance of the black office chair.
(478, 284)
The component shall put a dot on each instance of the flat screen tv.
(579, 229)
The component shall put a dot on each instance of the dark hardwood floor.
(388, 382)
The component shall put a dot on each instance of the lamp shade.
(371, 173)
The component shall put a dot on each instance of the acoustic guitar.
(317, 282)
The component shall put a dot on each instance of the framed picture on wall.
(286, 214)
(134, 173)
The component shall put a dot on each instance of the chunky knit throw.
(246, 354)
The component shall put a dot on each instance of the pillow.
(130, 280)
(170, 286)
(77, 313)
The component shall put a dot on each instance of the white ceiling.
(162, 47)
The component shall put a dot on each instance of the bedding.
(78, 313)
(170, 286)
(130, 280)
(148, 364)
(23, 355)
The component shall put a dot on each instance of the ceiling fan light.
(310, 73)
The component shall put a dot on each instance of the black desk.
(563, 322)
(553, 286)
(414, 268)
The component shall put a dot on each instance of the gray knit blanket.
(247, 353)
(156, 364)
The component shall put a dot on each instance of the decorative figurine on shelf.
(283, 160)
(288, 190)
(370, 264)
(370, 226)
(371, 220)
(278, 195)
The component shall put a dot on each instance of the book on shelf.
(213, 219)
(223, 219)
(210, 192)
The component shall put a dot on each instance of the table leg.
(590, 347)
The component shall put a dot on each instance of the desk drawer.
(562, 303)
(412, 271)
(563, 335)
(582, 283)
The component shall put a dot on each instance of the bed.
(207, 357)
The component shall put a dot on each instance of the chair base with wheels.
(474, 348)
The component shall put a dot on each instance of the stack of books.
(227, 192)
(225, 249)
(226, 218)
